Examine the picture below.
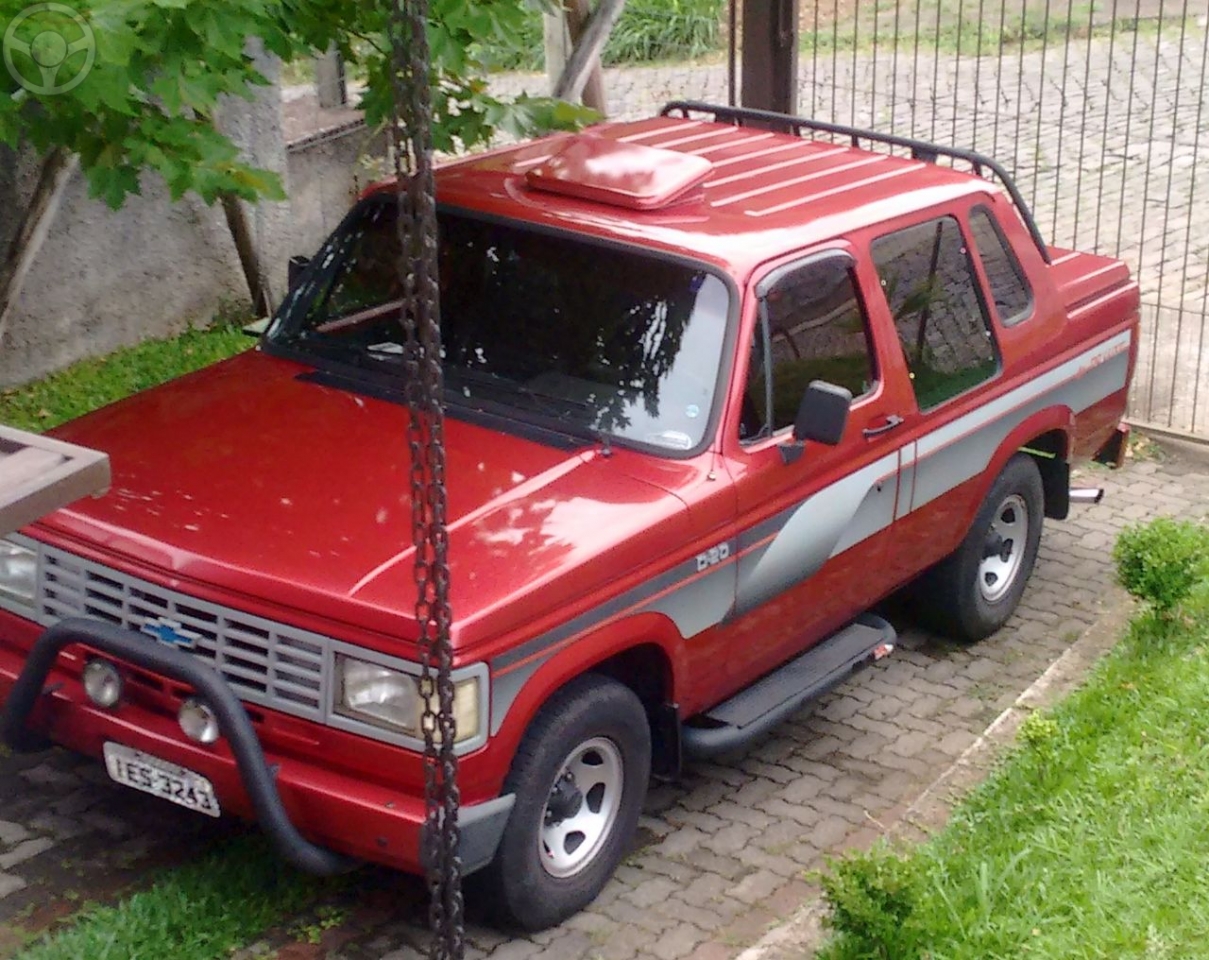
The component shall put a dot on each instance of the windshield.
(600, 339)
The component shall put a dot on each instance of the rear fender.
(1048, 422)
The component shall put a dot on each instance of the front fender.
(519, 689)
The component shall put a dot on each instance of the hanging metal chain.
(411, 140)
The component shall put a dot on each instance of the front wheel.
(974, 591)
(580, 776)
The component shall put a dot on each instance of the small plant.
(1038, 731)
(326, 918)
(873, 899)
(1041, 736)
(1161, 562)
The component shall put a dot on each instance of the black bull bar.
(258, 778)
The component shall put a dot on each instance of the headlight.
(18, 572)
(392, 699)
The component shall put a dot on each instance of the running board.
(755, 710)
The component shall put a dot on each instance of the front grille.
(266, 663)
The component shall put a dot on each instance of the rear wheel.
(974, 591)
(580, 776)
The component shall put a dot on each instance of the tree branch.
(55, 173)
(596, 31)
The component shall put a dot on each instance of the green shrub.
(872, 900)
(1161, 562)
(646, 30)
(664, 30)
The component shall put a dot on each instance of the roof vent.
(626, 175)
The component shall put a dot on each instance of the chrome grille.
(266, 663)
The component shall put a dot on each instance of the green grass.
(1090, 840)
(199, 911)
(89, 384)
(950, 26)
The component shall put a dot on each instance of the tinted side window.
(1013, 299)
(816, 330)
(932, 292)
(367, 274)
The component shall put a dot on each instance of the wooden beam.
(39, 475)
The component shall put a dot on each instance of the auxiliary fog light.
(102, 683)
(198, 721)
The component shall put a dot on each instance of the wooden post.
(245, 247)
(770, 55)
(330, 86)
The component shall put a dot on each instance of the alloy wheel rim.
(581, 807)
(1004, 551)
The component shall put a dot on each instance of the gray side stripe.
(818, 528)
(699, 604)
(591, 617)
(964, 448)
(834, 519)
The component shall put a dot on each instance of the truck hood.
(251, 483)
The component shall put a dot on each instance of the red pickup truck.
(716, 382)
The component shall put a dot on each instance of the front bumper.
(318, 819)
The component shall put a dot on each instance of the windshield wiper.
(558, 409)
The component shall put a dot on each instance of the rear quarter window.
(1010, 293)
(930, 286)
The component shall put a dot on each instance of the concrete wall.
(327, 172)
(106, 279)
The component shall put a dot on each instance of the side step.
(753, 711)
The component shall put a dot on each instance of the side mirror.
(822, 417)
(294, 270)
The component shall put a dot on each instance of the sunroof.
(620, 174)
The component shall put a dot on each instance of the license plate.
(136, 769)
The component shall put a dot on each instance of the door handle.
(892, 421)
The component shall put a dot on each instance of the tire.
(972, 593)
(580, 778)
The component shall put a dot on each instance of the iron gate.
(1098, 108)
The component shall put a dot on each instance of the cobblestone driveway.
(721, 855)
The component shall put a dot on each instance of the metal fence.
(1098, 108)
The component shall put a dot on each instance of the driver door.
(813, 531)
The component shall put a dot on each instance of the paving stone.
(25, 850)
(711, 950)
(680, 842)
(566, 945)
(756, 886)
(61, 828)
(677, 942)
(11, 833)
(10, 884)
(705, 889)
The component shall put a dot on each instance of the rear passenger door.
(935, 300)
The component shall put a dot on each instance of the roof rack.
(920, 149)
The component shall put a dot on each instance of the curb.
(801, 935)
